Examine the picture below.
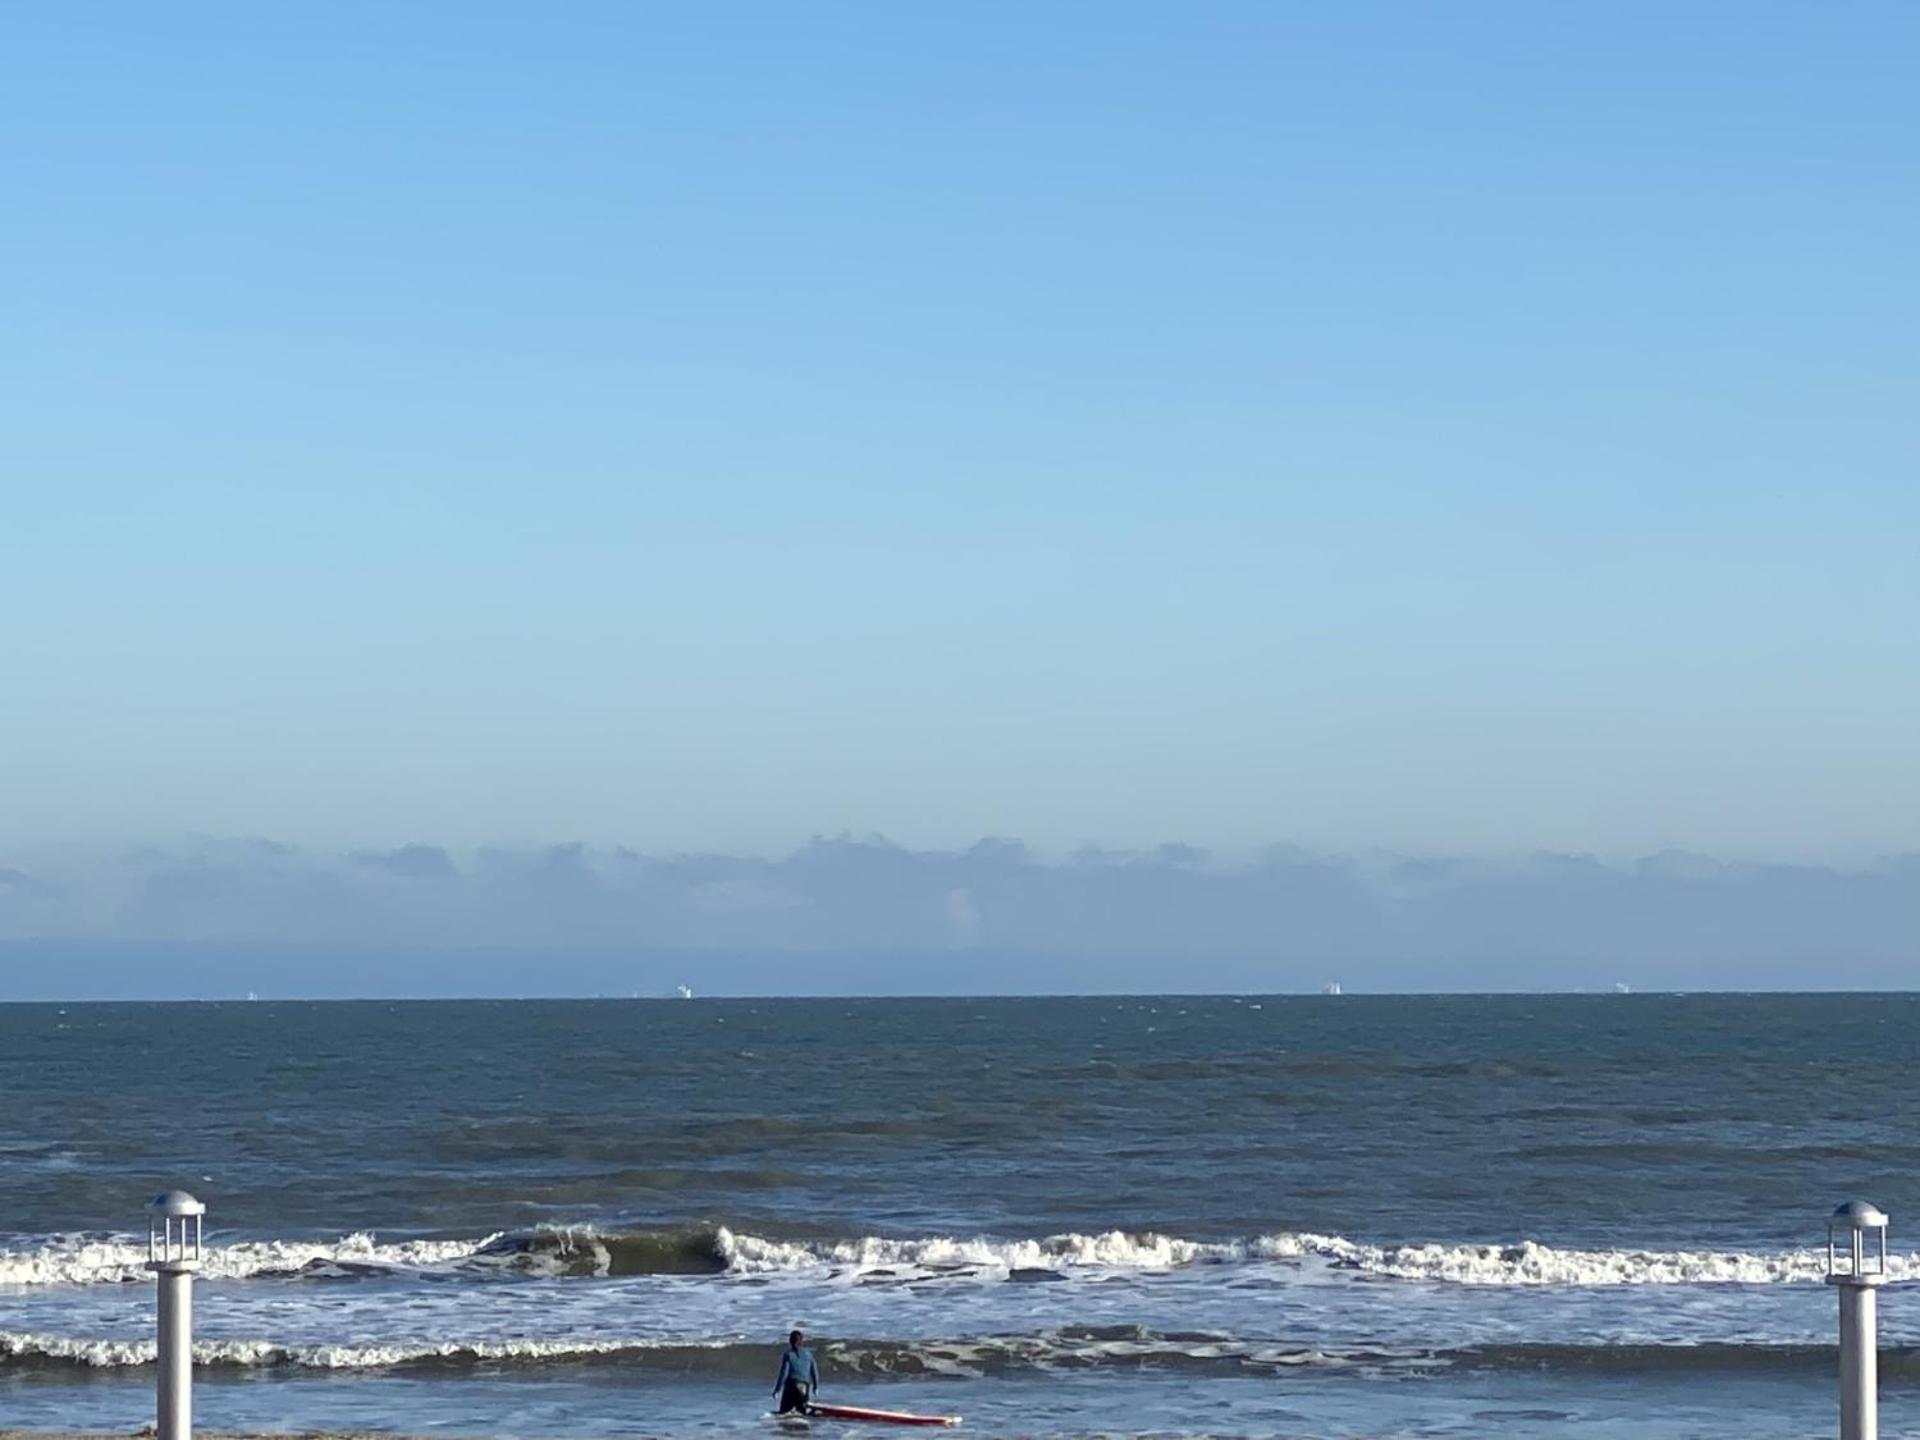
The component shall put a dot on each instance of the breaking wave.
(587, 1252)
(1086, 1348)
(1530, 1263)
(93, 1260)
(721, 1250)
(53, 1350)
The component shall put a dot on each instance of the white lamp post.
(1857, 1266)
(173, 1254)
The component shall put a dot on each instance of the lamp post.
(1857, 1266)
(173, 1254)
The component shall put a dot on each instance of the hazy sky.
(220, 919)
(1457, 429)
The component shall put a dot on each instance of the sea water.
(1259, 1216)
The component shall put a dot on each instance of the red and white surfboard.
(885, 1417)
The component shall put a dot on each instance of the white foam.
(77, 1260)
(1530, 1263)
(115, 1354)
(1524, 1263)
(106, 1354)
(82, 1260)
(1109, 1250)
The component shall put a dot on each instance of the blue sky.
(1460, 429)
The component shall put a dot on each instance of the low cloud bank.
(875, 916)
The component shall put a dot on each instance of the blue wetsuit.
(799, 1377)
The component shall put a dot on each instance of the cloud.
(867, 914)
(413, 862)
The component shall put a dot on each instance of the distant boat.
(253, 994)
(684, 992)
(1620, 987)
(1332, 987)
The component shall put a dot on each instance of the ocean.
(1256, 1216)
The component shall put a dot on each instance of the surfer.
(799, 1377)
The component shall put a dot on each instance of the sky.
(1467, 430)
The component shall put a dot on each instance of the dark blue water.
(1268, 1216)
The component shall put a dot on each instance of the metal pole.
(1859, 1361)
(175, 1410)
(173, 1256)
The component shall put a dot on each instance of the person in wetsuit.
(799, 1377)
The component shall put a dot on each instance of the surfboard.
(883, 1417)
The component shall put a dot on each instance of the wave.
(54, 1350)
(1524, 1263)
(588, 1252)
(1111, 1250)
(94, 1260)
(1531, 1263)
(1087, 1348)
